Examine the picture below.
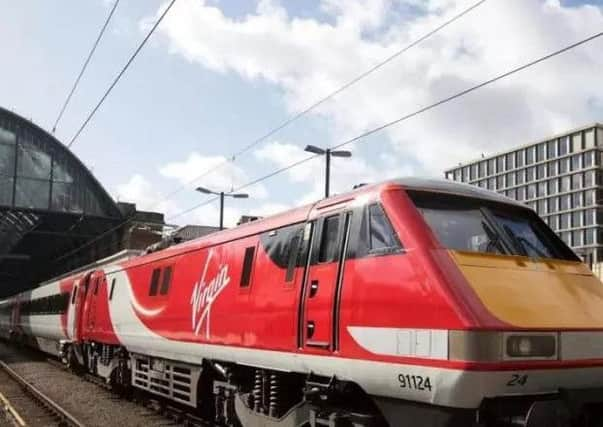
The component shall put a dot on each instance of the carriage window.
(112, 288)
(381, 233)
(154, 282)
(167, 279)
(74, 295)
(247, 264)
(329, 241)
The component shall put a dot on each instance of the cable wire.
(121, 73)
(374, 130)
(326, 98)
(413, 114)
(86, 62)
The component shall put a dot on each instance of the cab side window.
(376, 236)
(381, 232)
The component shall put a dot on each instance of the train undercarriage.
(238, 395)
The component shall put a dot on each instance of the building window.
(500, 181)
(589, 197)
(577, 237)
(564, 145)
(541, 152)
(576, 162)
(589, 217)
(520, 176)
(551, 149)
(491, 184)
(466, 174)
(589, 138)
(565, 184)
(530, 154)
(510, 161)
(552, 204)
(541, 171)
(512, 193)
(530, 174)
(577, 200)
(588, 159)
(482, 169)
(589, 178)
(553, 222)
(500, 164)
(474, 174)
(519, 158)
(542, 189)
(564, 221)
(564, 202)
(563, 166)
(553, 186)
(576, 181)
(577, 219)
(589, 236)
(510, 178)
(491, 167)
(521, 194)
(576, 142)
(541, 207)
(531, 191)
(552, 166)
(566, 236)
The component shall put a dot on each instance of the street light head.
(240, 195)
(204, 190)
(314, 149)
(341, 153)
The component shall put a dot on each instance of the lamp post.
(222, 194)
(327, 153)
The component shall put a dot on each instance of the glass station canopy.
(50, 204)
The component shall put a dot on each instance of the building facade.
(560, 178)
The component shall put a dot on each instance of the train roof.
(302, 213)
(453, 187)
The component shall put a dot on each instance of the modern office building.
(560, 178)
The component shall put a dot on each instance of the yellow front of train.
(538, 351)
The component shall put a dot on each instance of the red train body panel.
(368, 288)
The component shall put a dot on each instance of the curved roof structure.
(50, 204)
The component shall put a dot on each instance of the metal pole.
(328, 171)
(221, 210)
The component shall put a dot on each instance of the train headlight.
(541, 346)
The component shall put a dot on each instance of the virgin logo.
(205, 293)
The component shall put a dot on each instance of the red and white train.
(406, 303)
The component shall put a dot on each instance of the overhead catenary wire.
(121, 73)
(85, 66)
(414, 113)
(374, 130)
(324, 99)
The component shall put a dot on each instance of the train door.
(320, 307)
(76, 308)
(91, 302)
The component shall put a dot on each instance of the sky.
(218, 74)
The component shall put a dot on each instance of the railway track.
(22, 404)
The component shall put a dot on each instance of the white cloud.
(307, 59)
(212, 172)
(140, 191)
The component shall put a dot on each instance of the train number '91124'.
(414, 382)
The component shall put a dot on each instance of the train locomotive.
(412, 302)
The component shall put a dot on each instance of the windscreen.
(477, 225)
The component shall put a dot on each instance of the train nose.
(534, 294)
